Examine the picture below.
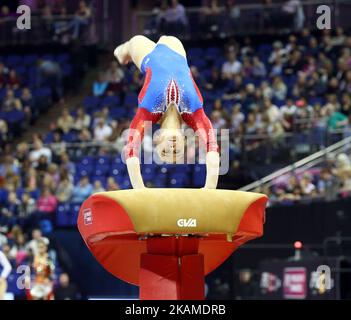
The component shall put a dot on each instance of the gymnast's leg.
(173, 43)
(3, 288)
(134, 50)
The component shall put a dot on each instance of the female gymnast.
(169, 96)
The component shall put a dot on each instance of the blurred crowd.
(44, 279)
(64, 21)
(330, 181)
(222, 18)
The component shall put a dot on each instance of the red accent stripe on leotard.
(200, 123)
(173, 95)
(136, 132)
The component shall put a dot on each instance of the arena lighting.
(298, 245)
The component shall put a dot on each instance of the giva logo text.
(183, 223)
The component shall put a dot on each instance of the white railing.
(306, 163)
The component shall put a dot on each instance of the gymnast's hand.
(212, 170)
(133, 167)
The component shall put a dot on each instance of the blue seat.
(61, 58)
(21, 70)
(126, 184)
(117, 170)
(149, 173)
(85, 169)
(110, 101)
(49, 137)
(49, 57)
(199, 175)
(160, 181)
(102, 160)
(67, 69)
(69, 137)
(117, 159)
(13, 60)
(131, 100)
(63, 215)
(74, 212)
(87, 160)
(14, 116)
(102, 179)
(29, 59)
(91, 102)
(46, 226)
(178, 180)
(101, 169)
(118, 112)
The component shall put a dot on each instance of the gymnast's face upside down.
(170, 146)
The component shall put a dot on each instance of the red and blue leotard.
(168, 80)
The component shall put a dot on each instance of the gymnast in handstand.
(169, 96)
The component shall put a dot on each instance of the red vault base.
(172, 269)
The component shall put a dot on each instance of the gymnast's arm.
(200, 123)
(135, 137)
(6, 266)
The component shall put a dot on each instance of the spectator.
(28, 101)
(258, 68)
(50, 74)
(215, 81)
(98, 187)
(271, 110)
(175, 18)
(217, 121)
(336, 119)
(293, 14)
(84, 136)
(33, 245)
(306, 185)
(237, 117)
(100, 85)
(18, 251)
(3, 75)
(81, 19)
(58, 146)
(67, 165)
(3, 133)
(280, 89)
(327, 185)
(82, 191)
(65, 289)
(42, 285)
(232, 66)
(64, 190)
(112, 185)
(11, 103)
(47, 202)
(65, 122)
(114, 77)
(102, 131)
(27, 205)
(38, 151)
(13, 81)
(82, 120)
